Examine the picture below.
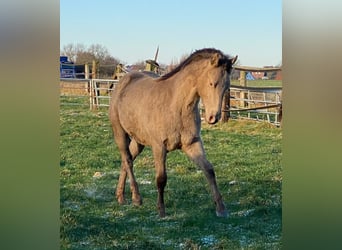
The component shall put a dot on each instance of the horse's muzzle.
(212, 119)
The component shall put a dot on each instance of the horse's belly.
(172, 142)
(138, 135)
(150, 135)
(148, 126)
(151, 138)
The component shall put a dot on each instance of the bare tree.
(107, 66)
(85, 57)
(139, 65)
(98, 51)
(79, 54)
(73, 50)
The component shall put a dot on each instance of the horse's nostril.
(212, 119)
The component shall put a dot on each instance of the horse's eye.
(214, 84)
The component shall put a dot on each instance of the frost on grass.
(91, 192)
(94, 191)
(74, 206)
(244, 213)
(208, 240)
(98, 175)
(145, 182)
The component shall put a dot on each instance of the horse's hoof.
(162, 214)
(121, 200)
(223, 213)
(137, 202)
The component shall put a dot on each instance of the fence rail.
(245, 102)
(256, 103)
(101, 92)
(94, 93)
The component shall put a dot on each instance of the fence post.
(91, 94)
(243, 82)
(226, 106)
(86, 76)
(280, 115)
(93, 70)
(86, 71)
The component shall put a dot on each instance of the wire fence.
(253, 103)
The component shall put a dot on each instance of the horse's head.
(216, 80)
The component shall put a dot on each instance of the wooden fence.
(256, 103)
(241, 101)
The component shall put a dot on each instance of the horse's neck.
(185, 93)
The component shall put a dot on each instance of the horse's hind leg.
(123, 143)
(159, 155)
(196, 153)
(135, 149)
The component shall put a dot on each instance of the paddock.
(247, 159)
(246, 156)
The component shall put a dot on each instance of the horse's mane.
(199, 55)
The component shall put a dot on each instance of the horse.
(163, 113)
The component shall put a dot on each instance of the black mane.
(199, 55)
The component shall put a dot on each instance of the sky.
(132, 30)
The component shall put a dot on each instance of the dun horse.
(163, 113)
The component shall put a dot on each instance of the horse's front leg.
(196, 153)
(159, 155)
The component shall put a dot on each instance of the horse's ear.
(234, 59)
(215, 59)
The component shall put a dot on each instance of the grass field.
(247, 160)
(260, 83)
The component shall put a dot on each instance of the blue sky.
(132, 30)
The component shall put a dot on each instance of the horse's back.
(123, 84)
(127, 79)
(132, 94)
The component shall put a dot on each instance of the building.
(70, 70)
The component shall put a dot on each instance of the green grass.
(247, 160)
(260, 83)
